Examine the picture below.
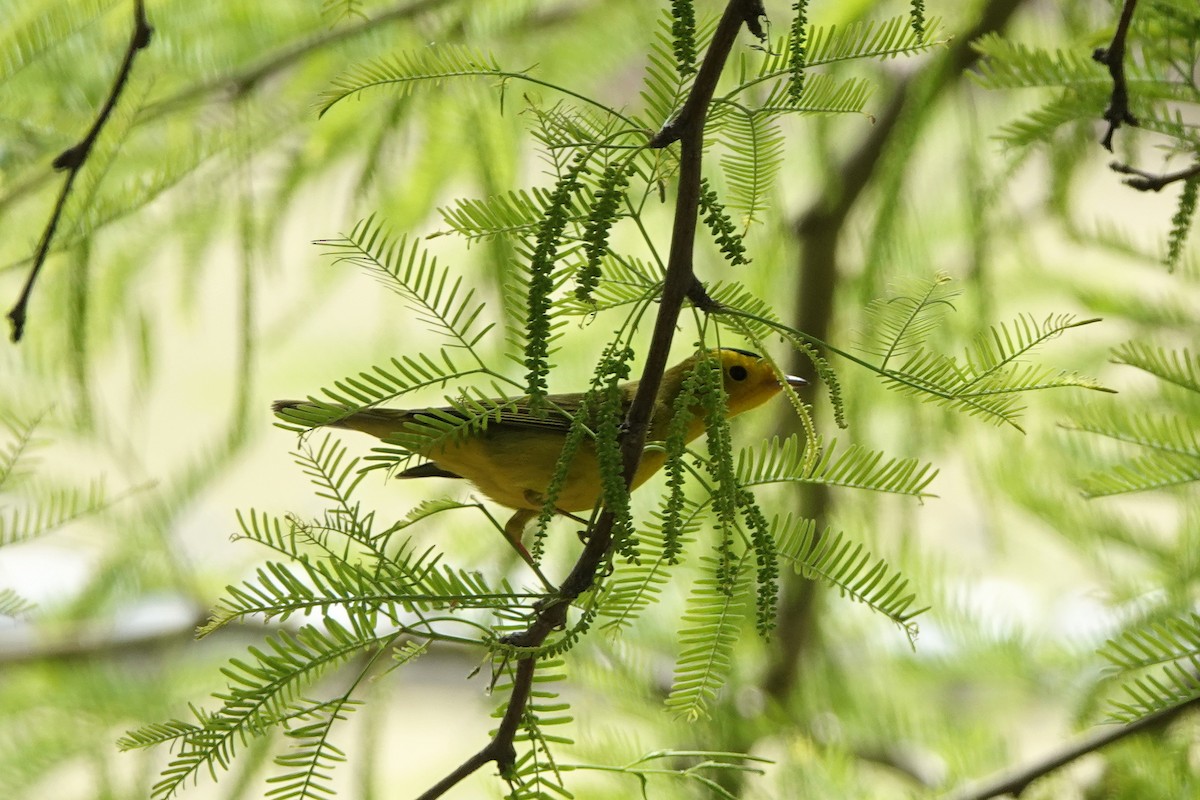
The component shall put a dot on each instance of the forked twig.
(73, 159)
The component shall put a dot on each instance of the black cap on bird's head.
(746, 353)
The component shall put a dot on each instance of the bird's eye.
(738, 372)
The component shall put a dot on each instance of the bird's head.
(749, 379)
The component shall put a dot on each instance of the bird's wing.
(555, 416)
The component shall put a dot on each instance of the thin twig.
(680, 282)
(1113, 57)
(73, 158)
(1017, 781)
(1149, 182)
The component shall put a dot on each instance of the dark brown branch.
(1019, 780)
(696, 105)
(1113, 57)
(680, 283)
(1148, 181)
(73, 159)
(500, 749)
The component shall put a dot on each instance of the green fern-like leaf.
(849, 568)
(1005, 64)
(823, 95)
(993, 374)
(867, 39)
(312, 756)
(1179, 367)
(1160, 470)
(1155, 645)
(903, 321)
(1043, 123)
(754, 149)
(440, 301)
(406, 72)
(536, 775)
(663, 87)
(323, 575)
(262, 694)
(31, 31)
(1172, 648)
(622, 282)
(636, 585)
(716, 608)
(47, 509)
(1170, 447)
(855, 467)
(17, 448)
(13, 604)
(421, 512)
(515, 214)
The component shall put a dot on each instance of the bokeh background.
(184, 293)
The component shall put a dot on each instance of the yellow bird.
(512, 460)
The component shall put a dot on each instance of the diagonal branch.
(1016, 782)
(242, 83)
(687, 128)
(1113, 57)
(73, 159)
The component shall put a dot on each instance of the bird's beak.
(794, 382)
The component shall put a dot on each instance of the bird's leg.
(514, 529)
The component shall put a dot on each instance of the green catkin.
(767, 561)
(1181, 223)
(683, 36)
(798, 56)
(917, 19)
(541, 282)
(603, 213)
(559, 478)
(722, 227)
(615, 368)
(720, 466)
(672, 525)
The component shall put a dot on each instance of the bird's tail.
(379, 422)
